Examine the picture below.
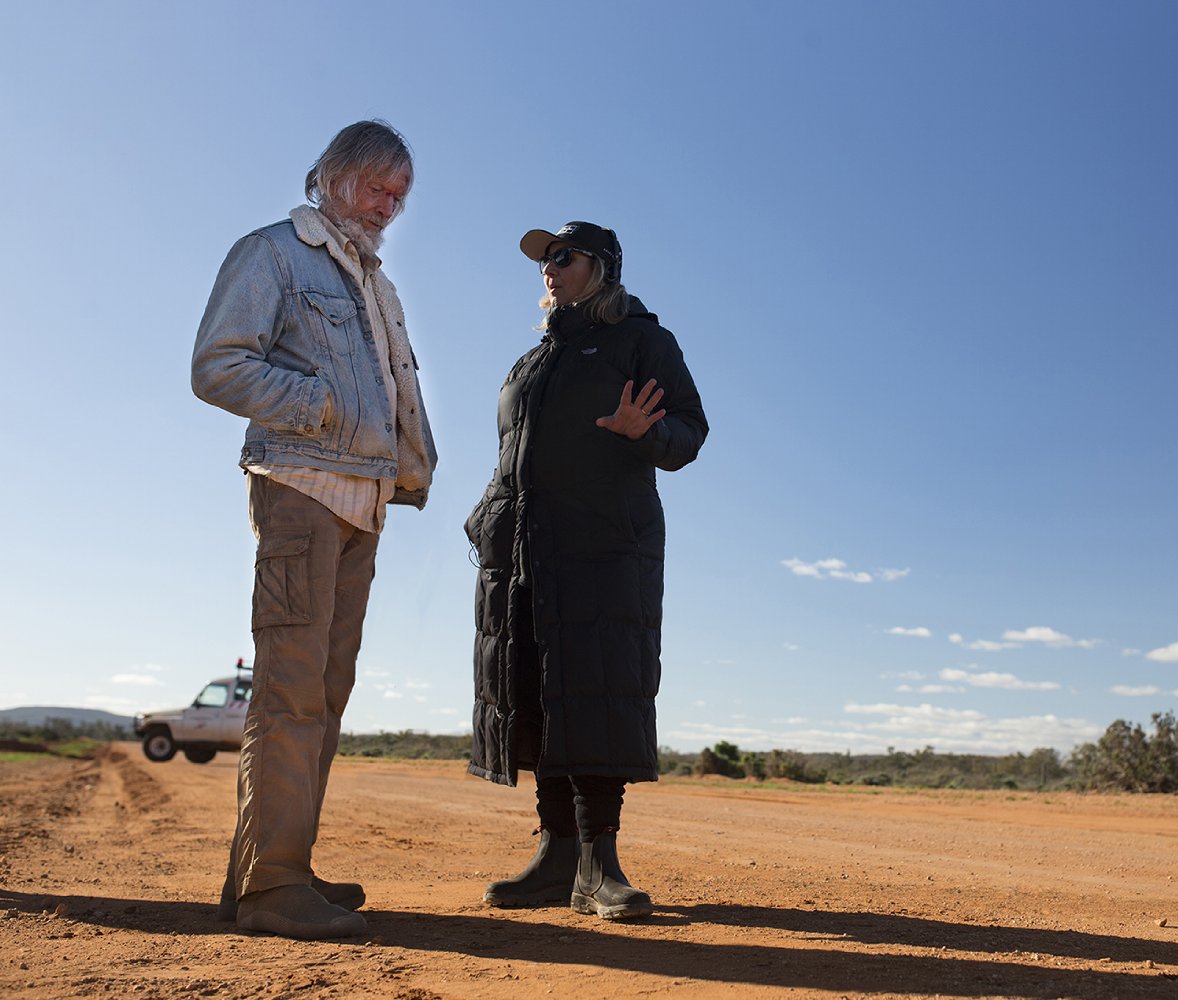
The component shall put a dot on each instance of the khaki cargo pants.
(311, 584)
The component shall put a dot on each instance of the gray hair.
(365, 147)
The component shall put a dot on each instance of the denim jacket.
(285, 331)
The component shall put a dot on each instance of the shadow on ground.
(496, 936)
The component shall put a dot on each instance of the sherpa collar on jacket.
(416, 457)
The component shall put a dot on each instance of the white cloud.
(143, 680)
(446, 711)
(855, 576)
(991, 679)
(873, 728)
(390, 693)
(837, 569)
(417, 685)
(919, 632)
(929, 689)
(913, 711)
(982, 645)
(1130, 652)
(1135, 692)
(376, 673)
(1048, 636)
(793, 647)
(974, 732)
(1015, 638)
(1166, 654)
(800, 568)
(709, 732)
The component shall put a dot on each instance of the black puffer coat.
(571, 526)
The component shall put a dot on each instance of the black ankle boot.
(548, 878)
(601, 887)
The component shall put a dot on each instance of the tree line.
(1127, 758)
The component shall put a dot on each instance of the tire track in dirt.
(807, 893)
(42, 794)
(141, 792)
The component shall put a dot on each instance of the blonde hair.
(602, 301)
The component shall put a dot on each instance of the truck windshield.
(213, 696)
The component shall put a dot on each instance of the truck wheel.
(200, 756)
(158, 744)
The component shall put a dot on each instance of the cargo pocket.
(282, 587)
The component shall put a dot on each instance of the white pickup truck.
(214, 721)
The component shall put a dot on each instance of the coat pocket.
(333, 313)
(282, 581)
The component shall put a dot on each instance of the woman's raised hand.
(634, 418)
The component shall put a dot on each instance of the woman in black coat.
(570, 540)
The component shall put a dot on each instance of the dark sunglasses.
(562, 258)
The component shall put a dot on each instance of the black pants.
(586, 804)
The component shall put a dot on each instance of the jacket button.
(388, 427)
(379, 380)
(308, 428)
(368, 336)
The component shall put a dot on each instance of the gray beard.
(365, 242)
(353, 229)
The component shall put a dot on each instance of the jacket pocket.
(334, 313)
(282, 581)
(331, 412)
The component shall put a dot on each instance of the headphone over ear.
(613, 267)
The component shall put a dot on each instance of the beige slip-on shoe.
(297, 911)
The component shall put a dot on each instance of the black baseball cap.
(601, 242)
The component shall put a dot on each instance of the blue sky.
(921, 258)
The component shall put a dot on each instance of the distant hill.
(37, 714)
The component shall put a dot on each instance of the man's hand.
(634, 418)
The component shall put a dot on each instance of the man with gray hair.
(305, 336)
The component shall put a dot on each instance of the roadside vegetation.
(408, 744)
(1127, 758)
(58, 737)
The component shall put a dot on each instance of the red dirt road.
(109, 870)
